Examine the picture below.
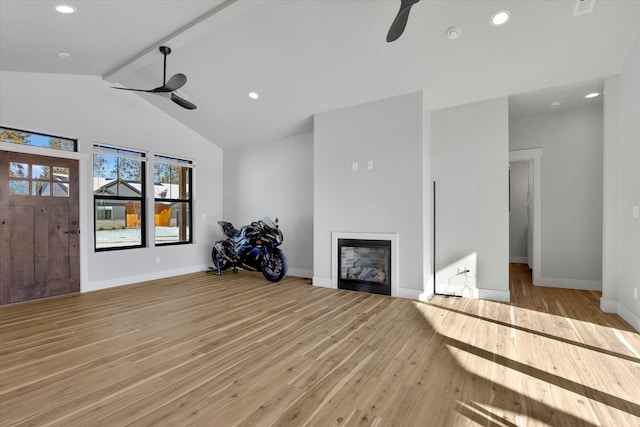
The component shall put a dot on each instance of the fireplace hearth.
(364, 265)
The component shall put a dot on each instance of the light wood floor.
(237, 350)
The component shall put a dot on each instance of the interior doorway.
(39, 227)
(528, 162)
(519, 213)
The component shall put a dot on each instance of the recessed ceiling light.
(555, 104)
(65, 8)
(254, 95)
(63, 54)
(453, 32)
(592, 95)
(501, 18)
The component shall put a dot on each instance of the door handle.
(72, 232)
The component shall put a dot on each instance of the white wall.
(386, 199)
(84, 107)
(275, 180)
(519, 212)
(571, 228)
(470, 162)
(622, 256)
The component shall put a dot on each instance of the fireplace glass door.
(364, 265)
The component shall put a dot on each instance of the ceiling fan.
(400, 22)
(168, 88)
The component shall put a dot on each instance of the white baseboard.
(414, 294)
(298, 272)
(322, 282)
(129, 280)
(585, 285)
(519, 260)
(492, 294)
(425, 296)
(608, 306)
(627, 315)
(615, 307)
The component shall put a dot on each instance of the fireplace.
(366, 262)
(364, 265)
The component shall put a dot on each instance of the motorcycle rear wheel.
(274, 266)
(219, 262)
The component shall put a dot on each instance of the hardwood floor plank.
(236, 350)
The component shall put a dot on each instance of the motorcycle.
(254, 247)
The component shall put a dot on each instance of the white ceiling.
(308, 56)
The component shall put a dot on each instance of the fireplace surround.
(366, 262)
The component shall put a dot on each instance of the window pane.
(171, 181)
(173, 222)
(129, 170)
(36, 140)
(40, 188)
(118, 223)
(117, 176)
(18, 188)
(61, 189)
(60, 174)
(119, 197)
(18, 170)
(40, 172)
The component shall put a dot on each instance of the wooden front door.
(39, 227)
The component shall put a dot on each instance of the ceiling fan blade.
(400, 22)
(135, 90)
(168, 87)
(183, 102)
(175, 82)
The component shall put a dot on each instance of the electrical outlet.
(157, 260)
(635, 292)
(463, 270)
(469, 271)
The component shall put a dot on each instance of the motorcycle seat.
(229, 229)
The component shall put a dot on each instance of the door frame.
(83, 201)
(534, 157)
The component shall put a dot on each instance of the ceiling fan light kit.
(168, 88)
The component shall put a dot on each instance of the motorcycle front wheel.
(219, 262)
(274, 266)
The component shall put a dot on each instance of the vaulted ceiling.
(307, 56)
